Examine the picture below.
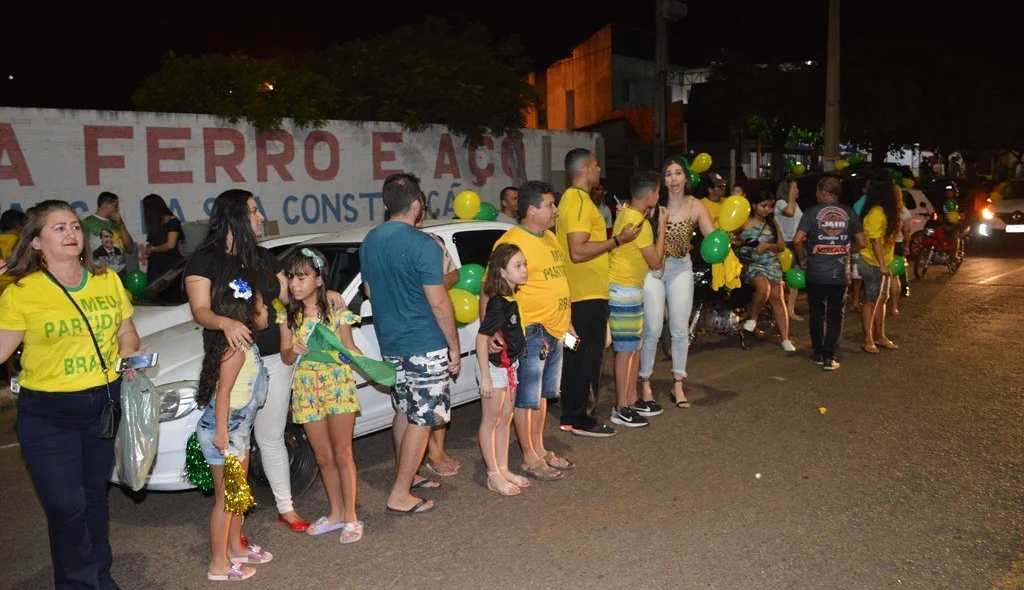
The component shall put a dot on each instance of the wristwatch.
(616, 240)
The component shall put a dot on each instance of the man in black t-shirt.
(832, 232)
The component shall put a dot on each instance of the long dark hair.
(882, 192)
(154, 209)
(300, 262)
(25, 260)
(215, 346)
(496, 285)
(230, 216)
(769, 220)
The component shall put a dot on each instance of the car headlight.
(177, 400)
(987, 213)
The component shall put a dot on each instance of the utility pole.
(832, 89)
(661, 78)
(664, 11)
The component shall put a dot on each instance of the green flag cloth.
(324, 346)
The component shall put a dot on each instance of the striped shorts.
(626, 319)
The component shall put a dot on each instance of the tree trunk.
(778, 158)
(879, 153)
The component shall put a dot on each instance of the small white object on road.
(757, 475)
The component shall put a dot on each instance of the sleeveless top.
(679, 236)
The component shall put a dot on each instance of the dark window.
(626, 95)
(475, 246)
(908, 201)
(344, 261)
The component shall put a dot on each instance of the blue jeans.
(674, 283)
(538, 377)
(70, 466)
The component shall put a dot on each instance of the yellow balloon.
(840, 164)
(953, 217)
(466, 304)
(735, 212)
(799, 169)
(995, 196)
(701, 164)
(467, 205)
(908, 183)
(786, 259)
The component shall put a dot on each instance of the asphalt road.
(900, 470)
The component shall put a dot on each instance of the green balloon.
(895, 174)
(790, 163)
(715, 247)
(796, 278)
(856, 158)
(1008, 191)
(487, 212)
(898, 266)
(136, 282)
(471, 277)
(949, 205)
(694, 179)
(686, 163)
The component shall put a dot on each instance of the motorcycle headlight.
(929, 231)
(177, 400)
(987, 213)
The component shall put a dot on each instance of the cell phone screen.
(142, 361)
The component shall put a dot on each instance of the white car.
(1005, 216)
(165, 323)
(921, 209)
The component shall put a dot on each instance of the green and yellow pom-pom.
(197, 470)
(237, 495)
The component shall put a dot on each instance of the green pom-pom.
(197, 470)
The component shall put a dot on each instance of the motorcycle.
(720, 312)
(938, 243)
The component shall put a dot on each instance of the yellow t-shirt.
(875, 225)
(59, 354)
(241, 391)
(7, 242)
(715, 209)
(544, 299)
(577, 213)
(627, 267)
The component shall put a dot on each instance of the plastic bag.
(135, 446)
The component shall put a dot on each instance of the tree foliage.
(418, 75)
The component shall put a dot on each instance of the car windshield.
(170, 290)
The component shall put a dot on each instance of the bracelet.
(616, 240)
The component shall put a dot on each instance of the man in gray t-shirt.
(828, 233)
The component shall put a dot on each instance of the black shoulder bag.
(111, 417)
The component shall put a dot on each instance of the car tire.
(303, 469)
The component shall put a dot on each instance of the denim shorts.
(539, 376)
(872, 277)
(421, 388)
(240, 423)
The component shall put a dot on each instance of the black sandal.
(679, 403)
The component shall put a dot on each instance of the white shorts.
(499, 375)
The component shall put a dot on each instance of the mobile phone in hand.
(134, 363)
(571, 342)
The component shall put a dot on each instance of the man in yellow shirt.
(716, 192)
(582, 237)
(544, 304)
(628, 267)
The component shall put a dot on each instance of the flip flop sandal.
(234, 574)
(256, 555)
(412, 511)
(351, 528)
(541, 471)
(323, 525)
(426, 484)
(430, 467)
(872, 350)
(559, 463)
(887, 344)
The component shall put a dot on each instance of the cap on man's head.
(716, 179)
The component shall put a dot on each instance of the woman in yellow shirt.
(64, 387)
(881, 223)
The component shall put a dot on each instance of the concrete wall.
(305, 179)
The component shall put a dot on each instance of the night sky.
(94, 54)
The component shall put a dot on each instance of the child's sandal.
(354, 530)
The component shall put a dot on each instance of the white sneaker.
(788, 346)
(749, 325)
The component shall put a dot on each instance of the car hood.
(1007, 206)
(150, 319)
(180, 350)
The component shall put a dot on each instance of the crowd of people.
(564, 283)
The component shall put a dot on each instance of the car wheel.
(302, 465)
